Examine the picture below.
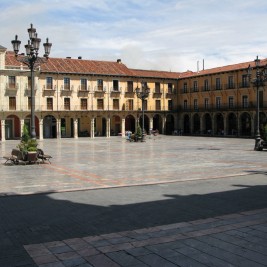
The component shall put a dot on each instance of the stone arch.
(219, 124)
(207, 123)
(169, 124)
(232, 124)
(130, 123)
(12, 127)
(245, 122)
(157, 123)
(186, 124)
(196, 124)
(49, 127)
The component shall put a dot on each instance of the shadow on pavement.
(40, 218)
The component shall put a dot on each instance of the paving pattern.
(104, 163)
(171, 201)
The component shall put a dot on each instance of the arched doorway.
(115, 128)
(130, 123)
(263, 121)
(232, 124)
(169, 124)
(207, 123)
(12, 127)
(196, 124)
(186, 124)
(27, 122)
(50, 127)
(157, 123)
(245, 124)
(219, 124)
(146, 124)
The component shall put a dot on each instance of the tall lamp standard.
(143, 95)
(32, 60)
(258, 81)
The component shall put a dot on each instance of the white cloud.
(153, 34)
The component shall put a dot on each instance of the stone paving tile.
(123, 258)
(101, 261)
(155, 260)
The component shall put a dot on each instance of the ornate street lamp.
(32, 60)
(142, 94)
(258, 81)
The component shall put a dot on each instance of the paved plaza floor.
(170, 201)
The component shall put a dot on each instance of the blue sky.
(153, 34)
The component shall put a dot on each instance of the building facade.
(79, 98)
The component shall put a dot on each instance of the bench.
(42, 156)
(15, 158)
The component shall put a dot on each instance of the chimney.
(68, 57)
(79, 57)
(119, 61)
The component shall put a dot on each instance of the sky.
(169, 35)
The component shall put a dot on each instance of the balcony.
(83, 91)
(99, 91)
(66, 91)
(157, 92)
(11, 89)
(171, 93)
(28, 90)
(115, 91)
(129, 92)
(49, 91)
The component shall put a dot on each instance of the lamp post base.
(258, 143)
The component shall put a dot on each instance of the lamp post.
(32, 60)
(142, 94)
(258, 81)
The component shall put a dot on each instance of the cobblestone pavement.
(199, 202)
(104, 163)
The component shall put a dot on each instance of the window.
(29, 103)
(195, 86)
(115, 85)
(116, 104)
(169, 104)
(66, 83)
(231, 101)
(218, 102)
(83, 84)
(130, 104)
(100, 103)
(12, 82)
(67, 103)
(206, 85)
(245, 101)
(218, 84)
(157, 87)
(206, 103)
(29, 82)
(244, 81)
(158, 105)
(100, 85)
(83, 104)
(49, 103)
(49, 83)
(195, 104)
(231, 82)
(12, 103)
(185, 104)
(185, 88)
(170, 88)
(145, 104)
(129, 86)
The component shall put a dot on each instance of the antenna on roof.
(203, 64)
(198, 66)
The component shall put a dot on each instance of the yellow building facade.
(85, 98)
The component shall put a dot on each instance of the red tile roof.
(228, 68)
(81, 66)
(156, 74)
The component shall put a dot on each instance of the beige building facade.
(85, 98)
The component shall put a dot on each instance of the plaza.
(169, 201)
